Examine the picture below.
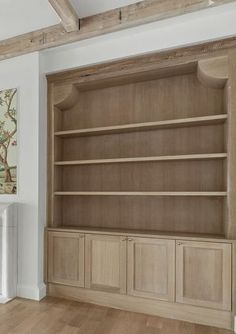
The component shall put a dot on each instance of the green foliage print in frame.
(8, 141)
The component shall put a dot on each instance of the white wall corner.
(32, 292)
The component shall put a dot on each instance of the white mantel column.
(8, 251)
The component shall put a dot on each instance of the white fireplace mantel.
(8, 251)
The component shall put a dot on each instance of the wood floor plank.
(58, 316)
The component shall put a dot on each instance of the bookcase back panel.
(210, 139)
(156, 100)
(202, 175)
(178, 214)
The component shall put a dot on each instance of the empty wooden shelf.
(142, 188)
(192, 121)
(116, 193)
(143, 159)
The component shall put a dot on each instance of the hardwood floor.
(67, 317)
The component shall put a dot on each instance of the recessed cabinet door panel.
(151, 268)
(105, 263)
(203, 274)
(66, 258)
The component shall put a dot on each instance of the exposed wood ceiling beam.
(67, 14)
(111, 21)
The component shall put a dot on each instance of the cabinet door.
(105, 263)
(66, 258)
(151, 268)
(203, 274)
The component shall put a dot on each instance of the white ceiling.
(91, 7)
(21, 16)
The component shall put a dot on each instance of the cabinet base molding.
(199, 315)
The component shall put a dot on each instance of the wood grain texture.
(151, 268)
(123, 114)
(58, 316)
(203, 274)
(65, 96)
(67, 14)
(184, 214)
(233, 278)
(155, 96)
(50, 155)
(105, 262)
(175, 123)
(231, 105)
(170, 235)
(159, 176)
(177, 141)
(196, 315)
(214, 73)
(143, 193)
(66, 258)
(114, 20)
(212, 156)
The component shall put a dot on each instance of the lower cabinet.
(105, 263)
(203, 274)
(66, 258)
(151, 268)
(187, 272)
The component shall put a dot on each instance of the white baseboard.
(4, 300)
(31, 292)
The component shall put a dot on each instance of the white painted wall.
(21, 16)
(23, 73)
(28, 74)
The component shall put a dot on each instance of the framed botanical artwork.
(8, 141)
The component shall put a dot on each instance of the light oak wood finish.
(151, 268)
(144, 159)
(67, 14)
(66, 258)
(177, 141)
(178, 123)
(149, 176)
(233, 278)
(133, 193)
(50, 155)
(200, 215)
(114, 20)
(105, 261)
(231, 180)
(153, 96)
(140, 150)
(196, 315)
(214, 73)
(65, 97)
(58, 316)
(142, 233)
(203, 274)
(174, 179)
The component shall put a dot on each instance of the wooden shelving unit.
(111, 147)
(141, 190)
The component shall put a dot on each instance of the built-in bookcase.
(146, 153)
(142, 187)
